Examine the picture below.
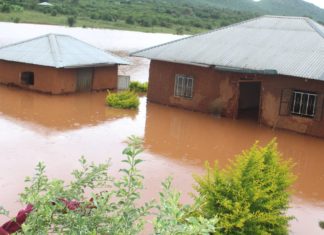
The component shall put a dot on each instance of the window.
(183, 86)
(27, 78)
(303, 104)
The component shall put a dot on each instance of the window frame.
(300, 112)
(180, 90)
(27, 78)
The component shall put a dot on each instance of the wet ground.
(58, 130)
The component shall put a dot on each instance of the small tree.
(321, 224)
(71, 20)
(251, 196)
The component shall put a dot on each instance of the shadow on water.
(58, 113)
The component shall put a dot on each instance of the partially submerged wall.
(105, 77)
(55, 81)
(213, 92)
(218, 92)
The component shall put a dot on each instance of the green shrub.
(251, 196)
(113, 211)
(173, 218)
(71, 20)
(321, 224)
(138, 86)
(123, 100)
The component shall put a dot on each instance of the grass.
(35, 17)
(138, 86)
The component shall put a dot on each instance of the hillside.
(273, 7)
(181, 16)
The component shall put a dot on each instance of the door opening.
(249, 100)
(84, 79)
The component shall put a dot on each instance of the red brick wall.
(55, 81)
(218, 92)
(105, 77)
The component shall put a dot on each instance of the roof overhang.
(245, 70)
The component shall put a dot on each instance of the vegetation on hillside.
(179, 17)
(251, 196)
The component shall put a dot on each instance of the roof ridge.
(286, 17)
(315, 26)
(23, 41)
(197, 35)
(54, 49)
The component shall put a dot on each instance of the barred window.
(303, 104)
(183, 86)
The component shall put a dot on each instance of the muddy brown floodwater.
(59, 129)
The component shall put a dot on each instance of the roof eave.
(73, 66)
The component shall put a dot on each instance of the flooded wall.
(55, 81)
(105, 78)
(218, 92)
(213, 92)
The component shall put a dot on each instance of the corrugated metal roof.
(59, 51)
(292, 46)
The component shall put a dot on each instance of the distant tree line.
(182, 16)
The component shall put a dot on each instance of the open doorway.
(249, 100)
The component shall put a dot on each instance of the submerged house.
(58, 64)
(270, 68)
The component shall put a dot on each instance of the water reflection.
(177, 143)
(58, 113)
(193, 138)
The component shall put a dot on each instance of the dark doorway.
(249, 100)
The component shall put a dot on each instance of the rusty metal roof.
(292, 46)
(59, 51)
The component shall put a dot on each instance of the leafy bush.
(123, 100)
(172, 218)
(108, 212)
(60, 208)
(138, 86)
(71, 20)
(251, 196)
(321, 224)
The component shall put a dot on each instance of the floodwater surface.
(58, 130)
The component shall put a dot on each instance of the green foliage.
(71, 20)
(114, 211)
(138, 86)
(16, 20)
(321, 224)
(3, 211)
(173, 218)
(251, 196)
(183, 16)
(123, 100)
